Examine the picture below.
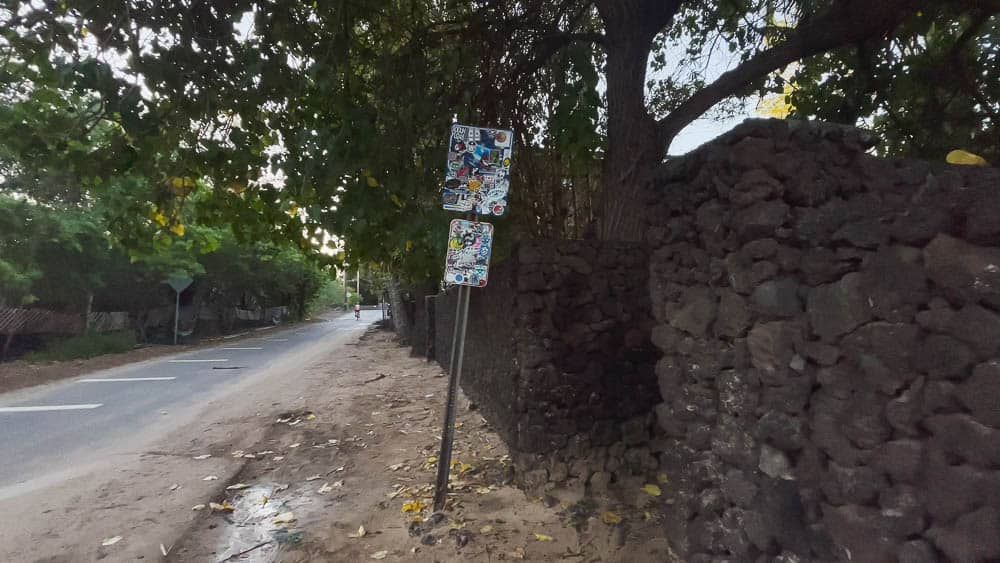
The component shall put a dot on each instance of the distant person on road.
(357, 311)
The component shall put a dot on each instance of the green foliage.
(330, 294)
(931, 87)
(83, 346)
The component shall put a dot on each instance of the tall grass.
(82, 346)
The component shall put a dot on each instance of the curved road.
(54, 429)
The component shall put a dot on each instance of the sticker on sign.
(468, 259)
(477, 176)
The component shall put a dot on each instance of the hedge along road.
(56, 431)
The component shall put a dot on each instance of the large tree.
(350, 100)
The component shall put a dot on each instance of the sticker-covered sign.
(478, 174)
(468, 259)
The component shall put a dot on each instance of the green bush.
(82, 346)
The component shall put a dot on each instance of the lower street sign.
(468, 259)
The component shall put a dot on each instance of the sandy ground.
(304, 459)
(359, 483)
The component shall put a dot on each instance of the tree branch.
(846, 22)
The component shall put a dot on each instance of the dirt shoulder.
(20, 374)
(348, 477)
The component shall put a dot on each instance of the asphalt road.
(49, 430)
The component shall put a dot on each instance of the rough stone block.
(981, 393)
(917, 551)
(761, 219)
(733, 315)
(771, 345)
(974, 537)
(900, 459)
(978, 328)
(778, 298)
(862, 530)
(838, 308)
(780, 430)
(966, 269)
(852, 485)
(941, 356)
(962, 436)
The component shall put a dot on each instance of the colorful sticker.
(468, 259)
(477, 176)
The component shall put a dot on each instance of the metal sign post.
(454, 376)
(476, 180)
(179, 282)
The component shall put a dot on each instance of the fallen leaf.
(295, 445)
(250, 456)
(111, 541)
(238, 453)
(278, 457)
(662, 478)
(609, 517)
(198, 507)
(311, 417)
(396, 467)
(380, 554)
(265, 452)
(237, 487)
(209, 478)
(543, 537)
(283, 518)
(413, 506)
(174, 487)
(338, 483)
(647, 516)
(341, 468)
(279, 488)
(314, 477)
(486, 529)
(432, 459)
(224, 507)
(203, 456)
(326, 488)
(165, 550)
(362, 532)
(651, 490)
(518, 553)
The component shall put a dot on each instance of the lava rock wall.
(829, 330)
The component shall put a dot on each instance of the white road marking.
(125, 379)
(246, 348)
(195, 361)
(42, 408)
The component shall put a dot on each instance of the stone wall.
(829, 333)
(558, 358)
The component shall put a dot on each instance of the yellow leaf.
(413, 506)
(662, 478)
(486, 529)
(362, 532)
(652, 490)
(395, 199)
(177, 229)
(609, 517)
(380, 554)
(310, 416)
(543, 537)
(409, 246)
(463, 467)
(372, 182)
(965, 158)
(432, 459)
(159, 218)
(283, 518)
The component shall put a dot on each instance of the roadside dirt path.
(357, 484)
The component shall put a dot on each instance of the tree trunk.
(634, 150)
